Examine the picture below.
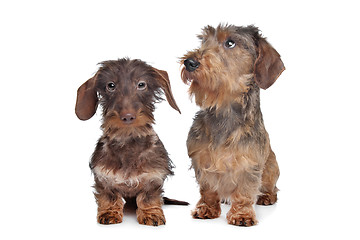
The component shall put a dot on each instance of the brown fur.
(228, 144)
(129, 160)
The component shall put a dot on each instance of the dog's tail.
(169, 201)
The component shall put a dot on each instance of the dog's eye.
(110, 86)
(141, 85)
(230, 44)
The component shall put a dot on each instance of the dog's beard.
(115, 127)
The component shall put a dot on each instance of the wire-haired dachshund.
(228, 144)
(129, 162)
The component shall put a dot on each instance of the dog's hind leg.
(270, 176)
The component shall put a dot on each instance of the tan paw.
(153, 218)
(203, 211)
(240, 215)
(267, 199)
(109, 218)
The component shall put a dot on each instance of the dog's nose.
(191, 64)
(128, 118)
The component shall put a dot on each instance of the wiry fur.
(129, 160)
(228, 143)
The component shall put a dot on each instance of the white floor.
(49, 48)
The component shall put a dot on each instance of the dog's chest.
(132, 165)
(222, 130)
(230, 143)
(120, 178)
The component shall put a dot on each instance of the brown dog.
(129, 161)
(228, 143)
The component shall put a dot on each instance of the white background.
(49, 48)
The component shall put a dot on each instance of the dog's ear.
(268, 65)
(163, 79)
(87, 100)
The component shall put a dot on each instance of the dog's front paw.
(154, 217)
(204, 211)
(242, 218)
(110, 218)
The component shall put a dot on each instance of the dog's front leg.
(110, 208)
(242, 212)
(149, 210)
(208, 206)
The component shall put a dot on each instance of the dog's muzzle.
(191, 64)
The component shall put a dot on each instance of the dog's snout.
(128, 118)
(191, 64)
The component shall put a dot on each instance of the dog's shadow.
(130, 207)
